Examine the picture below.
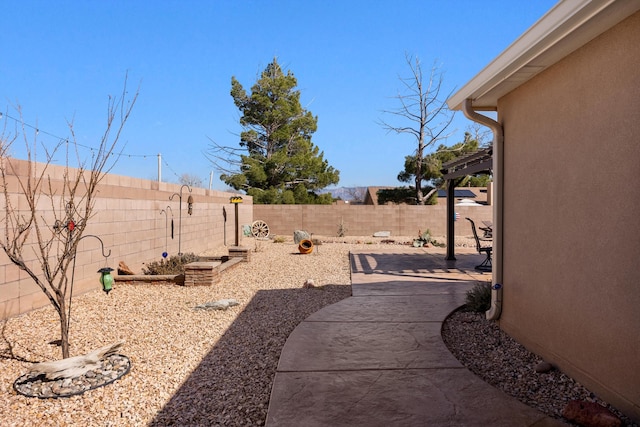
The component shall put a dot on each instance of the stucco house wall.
(571, 214)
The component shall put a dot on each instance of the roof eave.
(566, 27)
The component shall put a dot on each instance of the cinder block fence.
(129, 221)
(364, 220)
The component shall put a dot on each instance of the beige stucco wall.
(571, 215)
(364, 220)
(128, 220)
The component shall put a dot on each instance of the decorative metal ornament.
(190, 205)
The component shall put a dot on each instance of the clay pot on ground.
(305, 246)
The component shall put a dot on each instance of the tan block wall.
(571, 204)
(128, 220)
(364, 220)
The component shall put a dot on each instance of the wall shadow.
(232, 383)
(419, 265)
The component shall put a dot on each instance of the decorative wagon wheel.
(259, 228)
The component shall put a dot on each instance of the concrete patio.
(378, 359)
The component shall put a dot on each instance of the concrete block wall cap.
(202, 265)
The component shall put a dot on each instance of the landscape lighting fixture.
(106, 279)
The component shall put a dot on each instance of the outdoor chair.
(487, 229)
(486, 264)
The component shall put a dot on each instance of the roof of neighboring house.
(566, 27)
(371, 197)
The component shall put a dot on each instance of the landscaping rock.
(309, 283)
(104, 372)
(300, 235)
(222, 304)
(590, 414)
(543, 367)
(382, 234)
(124, 270)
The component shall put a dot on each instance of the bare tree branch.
(55, 214)
(422, 113)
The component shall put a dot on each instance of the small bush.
(173, 265)
(279, 239)
(479, 298)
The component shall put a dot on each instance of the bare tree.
(190, 180)
(480, 133)
(44, 219)
(356, 194)
(423, 114)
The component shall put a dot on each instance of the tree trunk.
(419, 194)
(419, 171)
(64, 328)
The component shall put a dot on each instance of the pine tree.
(279, 163)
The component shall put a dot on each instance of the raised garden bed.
(204, 272)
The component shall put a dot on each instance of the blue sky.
(60, 60)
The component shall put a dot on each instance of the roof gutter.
(498, 152)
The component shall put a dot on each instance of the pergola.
(453, 171)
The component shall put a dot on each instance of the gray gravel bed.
(498, 359)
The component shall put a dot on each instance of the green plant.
(173, 265)
(279, 239)
(423, 239)
(478, 298)
(397, 195)
(438, 244)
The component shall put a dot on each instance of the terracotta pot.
(305, 246)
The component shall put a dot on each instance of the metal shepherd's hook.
(73, 272)
(180, 214)
(166, 227)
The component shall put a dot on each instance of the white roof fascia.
(566, 27)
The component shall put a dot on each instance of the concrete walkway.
(378, 359)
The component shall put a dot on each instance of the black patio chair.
(486, 264)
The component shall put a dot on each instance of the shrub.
(279, 239)
(479, 298)
(173, 265)
(425, 238)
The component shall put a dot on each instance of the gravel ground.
(199, 367)
(189, 367)
(494, 356)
